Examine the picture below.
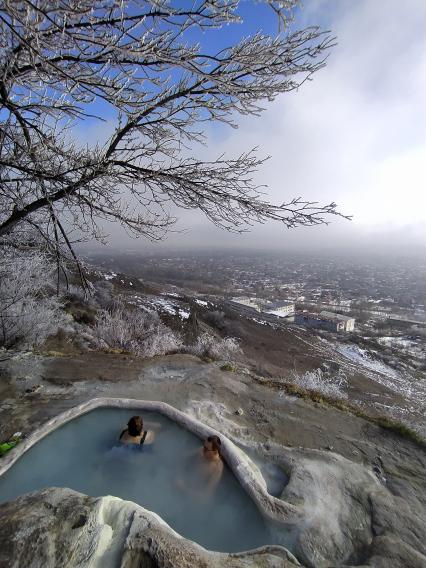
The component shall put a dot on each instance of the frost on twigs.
(155, 69)
(141, 333)
(331, 385)
(144, 334)
(29, 312)
(214, 348)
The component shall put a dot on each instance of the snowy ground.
(404, 384)
(160, 304)
(362, 357)
(412, 347)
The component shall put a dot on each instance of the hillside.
(286, 390)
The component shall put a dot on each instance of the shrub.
(27, 323)
(135, 331)
(80, 305)
(29, 312)
(228, 367)
(75, 293)
(209, 346)
(104, 295)
(216, 319)
(321, 382)
(84, 315)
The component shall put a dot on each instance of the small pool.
(84, 455)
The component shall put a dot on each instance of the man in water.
(205, 470)
(212, 463)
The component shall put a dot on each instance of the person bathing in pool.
(212, 463)
(135, 434)
(206, 469)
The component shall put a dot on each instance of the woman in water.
(135, 434)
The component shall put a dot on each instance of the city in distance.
(385, 295)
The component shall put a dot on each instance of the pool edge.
(252, 482)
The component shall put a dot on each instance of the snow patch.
(278, 313)
(362, 357)
(403, 383)
(262, 322)
(110, 276)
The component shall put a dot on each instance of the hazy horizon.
(164, 249)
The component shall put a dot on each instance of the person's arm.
(149, 438)
(122, 433)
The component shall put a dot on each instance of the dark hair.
(135, 426)
(215, 441)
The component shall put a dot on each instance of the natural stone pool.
(85, 455)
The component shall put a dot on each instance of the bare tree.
(145, 62)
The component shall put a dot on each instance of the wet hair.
(135, 426)
(215, 442)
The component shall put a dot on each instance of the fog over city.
(355, 134)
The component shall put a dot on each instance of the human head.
(135, 426)
(212, 444)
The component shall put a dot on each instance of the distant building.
(281, 309)
(278, 308)
(325, 320)
(347, 322)
(249, 302)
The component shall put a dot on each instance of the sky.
(355, 135)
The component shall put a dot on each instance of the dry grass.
(54, 353)
(115, 351)
(385, 422)
(228, 367)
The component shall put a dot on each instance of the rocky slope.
(361, 488)
(60, 527)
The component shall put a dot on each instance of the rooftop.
(335, 317)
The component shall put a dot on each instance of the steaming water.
(84, 455)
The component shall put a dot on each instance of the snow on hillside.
(160, 304)
(363, 358)
(403, 383)
(110, 275)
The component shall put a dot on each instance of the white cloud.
(355, 135)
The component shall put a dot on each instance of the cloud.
(355, 135)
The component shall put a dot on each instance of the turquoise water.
(85, 455)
